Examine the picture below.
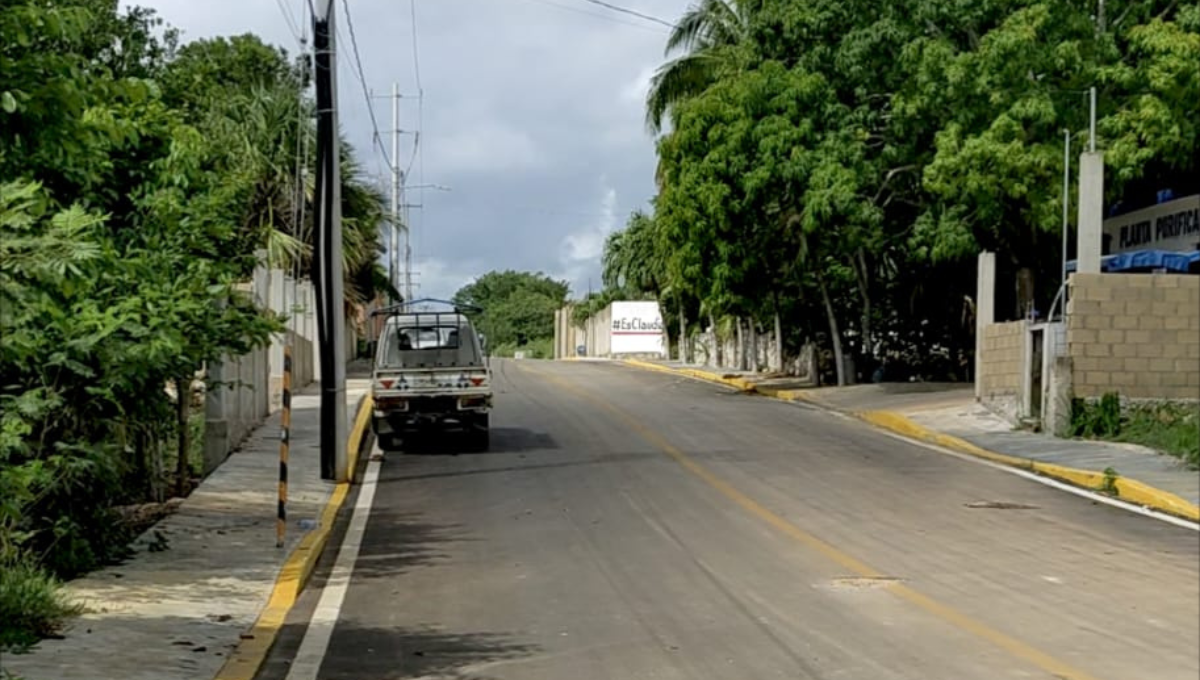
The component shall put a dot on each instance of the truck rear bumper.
(410, 412)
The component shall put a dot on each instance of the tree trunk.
(778, 343)
(864, 289)
(753, 345)
(682, 334)
(142, 462)
(777, 366)
(1025, 294)
(157, 492)
(834, 332)
(739, 348)
(716, 335)
(183, 406)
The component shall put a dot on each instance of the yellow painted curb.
(736, 383)
(251, 652)
(785, 395)
(1127, 489)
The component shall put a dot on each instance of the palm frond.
(677, 81)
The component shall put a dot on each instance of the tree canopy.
(140, 182)
(517, 309)
(840, 164)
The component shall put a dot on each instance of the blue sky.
(532, 116)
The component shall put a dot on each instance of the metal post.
(330, 286)
(1066, 200)
(408, 293)
(394, 249)
(1092, 123)
(285, 421)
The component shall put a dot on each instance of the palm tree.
(269, 126)
(707, 35)
(631, 259)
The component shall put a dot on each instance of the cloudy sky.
(532, 117)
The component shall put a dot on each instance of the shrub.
(1102, 419)
(32, 606)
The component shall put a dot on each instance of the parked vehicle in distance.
(431, 374)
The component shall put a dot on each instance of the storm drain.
(1000, 505)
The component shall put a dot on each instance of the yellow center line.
(1017, 648)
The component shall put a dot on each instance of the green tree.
(517, 307)
(707, 36)
(935, 131)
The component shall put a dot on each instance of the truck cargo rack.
(433, 318)
(404, 308)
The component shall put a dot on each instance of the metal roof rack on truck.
(409, 308)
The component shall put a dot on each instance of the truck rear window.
(428, 346)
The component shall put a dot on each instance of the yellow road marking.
(1017, 648)
(251, 652)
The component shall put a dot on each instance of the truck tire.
(388, 442)
(479, 433)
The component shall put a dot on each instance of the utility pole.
(327, 203)
(408, 285)
(397, 180)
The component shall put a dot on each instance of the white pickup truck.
(431, 372)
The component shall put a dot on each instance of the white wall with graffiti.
(623, 329)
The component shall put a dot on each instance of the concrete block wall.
(565, 333)
(236, 405)
(1135, 334)
(1002, 367)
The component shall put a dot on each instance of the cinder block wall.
(1003, 360)
(1135, 334)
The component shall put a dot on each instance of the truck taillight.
(391, 383)
(391, 403)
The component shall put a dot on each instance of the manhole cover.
(858, 583)
(1000, 505)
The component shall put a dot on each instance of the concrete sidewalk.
(177, 613)
(948, 415)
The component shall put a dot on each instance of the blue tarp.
(1148, 260)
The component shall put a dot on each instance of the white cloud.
(581, 250)
(439, 279)
(525, 103)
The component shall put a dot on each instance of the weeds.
(32, 606)
(1173, 429)
(1109, 485)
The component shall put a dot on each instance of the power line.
(416, 52)
(631, 12)
(412, 5)
(363, 81)
(598, 15)
(290, 18)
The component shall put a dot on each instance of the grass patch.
(1173, 429)
(33, 606)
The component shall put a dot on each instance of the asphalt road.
(633, 525)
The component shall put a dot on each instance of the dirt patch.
(142, 516)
